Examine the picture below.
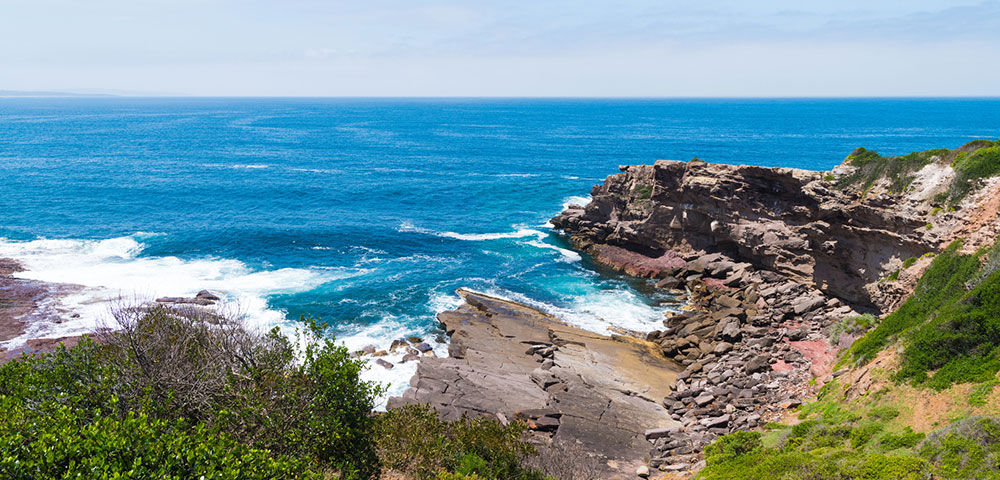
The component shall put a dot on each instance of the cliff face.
(789, 221)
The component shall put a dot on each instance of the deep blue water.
(369, 213)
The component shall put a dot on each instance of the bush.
(971, 168)
(415, 441)
(60, 444)
(643, 192)
(733, 445)
(969, 448)
(206, 379)
(899, 171)
(907, 439)
(972, 162)
(942, 283)
(961, 342)
(851, 326)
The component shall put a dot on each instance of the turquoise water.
(369, 213)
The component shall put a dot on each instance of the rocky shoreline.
(771, 258)
(772, 261)
(580, 392)
(30, 309)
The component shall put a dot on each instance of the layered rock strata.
(591, 394)
(787, 221)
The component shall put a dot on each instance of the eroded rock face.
(782, 220)
(573, 387)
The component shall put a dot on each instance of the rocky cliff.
(776, 262)
(787, 221)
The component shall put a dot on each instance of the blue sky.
(502, 48)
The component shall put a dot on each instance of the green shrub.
(861, 435)
(909, 262)
(733, 445)
(415, 441)
(970, 169)
(942, 283)
(209, 374)
(883, 413)
(60, 444)
(972, 162)
(643, 192)
(870, 167)
(907, 439)
(961, 342)
(969, 448)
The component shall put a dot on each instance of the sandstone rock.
(205, 294)
(603, 407)
(806, 304)
(722, 347)
(759, 363)
(665, 432)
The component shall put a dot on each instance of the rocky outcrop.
(24, 305)
(770, 258)
(588, 393)
(32, 312)
(786, 221)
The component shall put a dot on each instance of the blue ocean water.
(370, 212)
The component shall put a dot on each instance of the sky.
(564, 48)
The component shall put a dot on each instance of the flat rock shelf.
(594, 394)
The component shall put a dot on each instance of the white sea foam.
(237, 166)
(565, 254)
(381, 335)
(473, 237)
(111, 269)
(599, 311)
(575, 200)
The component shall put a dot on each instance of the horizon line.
(12, 94)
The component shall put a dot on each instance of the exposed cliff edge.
(783, 220)
(842, 231)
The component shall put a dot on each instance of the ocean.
(369, 213)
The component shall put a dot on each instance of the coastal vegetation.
(188, 394)
(867, 438)
(972, 163)
(899, 170)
